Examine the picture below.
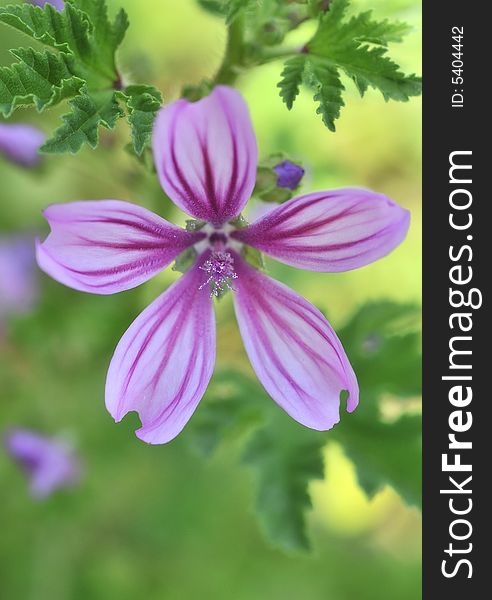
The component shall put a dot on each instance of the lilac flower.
(18, 276)
(50, 464)
(289, 174)
(20, 143)
(58, 4)
(205, 155)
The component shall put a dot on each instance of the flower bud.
(277, 177)
(289, 174)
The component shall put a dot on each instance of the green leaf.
(81, 125)
(364, 29)
(291, 79)
(337, 9)
(230, 9)
(328, 91)
(66, 31)
(83, 68)
(233, 8)
(385, 453)
(143, 102)
(358, 47)
(107, 36)
(42, 79)
(383, 345)
(225, 412)
(346, 45)
(285, 457)
(216, 7)
(69, 31)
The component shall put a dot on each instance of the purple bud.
(289, 174)
(50, 464)
(20, 143)
(58, 4)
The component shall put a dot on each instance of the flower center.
(220, 270)
(217, 239)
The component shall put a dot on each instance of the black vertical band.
(457, 257)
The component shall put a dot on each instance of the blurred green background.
(160, 522)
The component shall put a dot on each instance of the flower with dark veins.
(206, 157)
(50, 464)
(18, 276)
(20, 143)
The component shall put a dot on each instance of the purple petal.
(163, 363)
(205, 155)
(18, 275)
(107, 246)
(20, 143)
(330, 231)
(50, 464)
(58, 4)
(293, 349)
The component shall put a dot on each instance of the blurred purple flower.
(289, 174)
(49, 463)
(18, 276)
(20, 143)
(58, 4)
(205, 155)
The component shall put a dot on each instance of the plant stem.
(234, 61)
(233, 57)
(271, 55)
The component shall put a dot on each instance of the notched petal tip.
(294, 351)
(163, 363)
(145, 432)
(352, 396)
(154, 437)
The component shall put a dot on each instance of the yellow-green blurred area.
(159, 523)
